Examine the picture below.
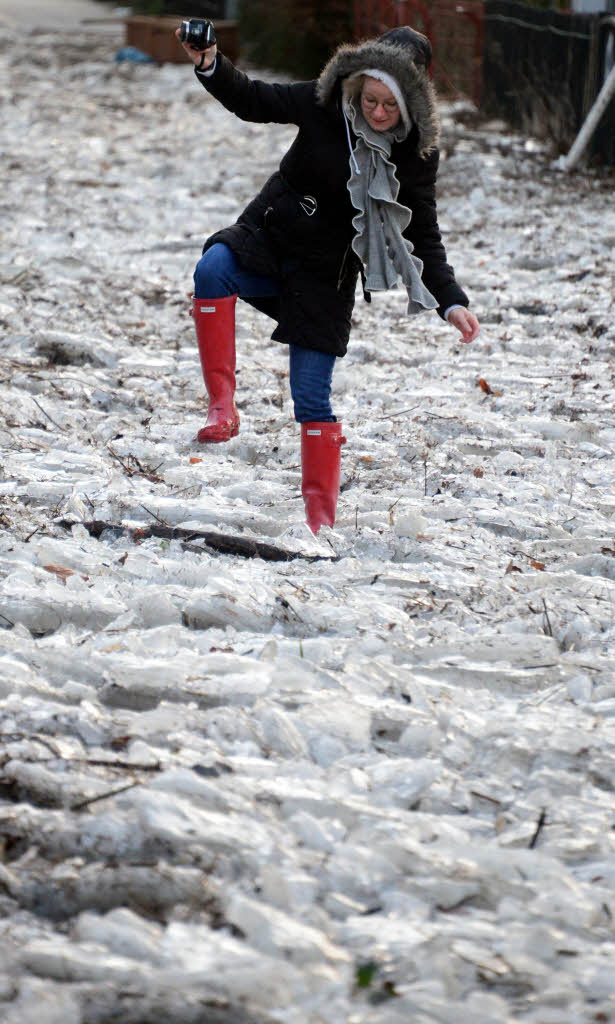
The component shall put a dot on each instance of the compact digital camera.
(197, 33)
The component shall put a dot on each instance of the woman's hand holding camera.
(203, 59)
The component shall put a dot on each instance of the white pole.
(566, 163)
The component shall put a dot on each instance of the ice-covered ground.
(373, 783)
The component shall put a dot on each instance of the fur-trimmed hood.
(402, 53)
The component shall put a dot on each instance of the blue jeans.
(218, 274)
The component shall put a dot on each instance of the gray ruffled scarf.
(380, 222)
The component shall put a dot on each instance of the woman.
(354, 194)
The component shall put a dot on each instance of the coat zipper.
(342, 268)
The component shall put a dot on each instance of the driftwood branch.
(81, 804)
(224, 543)
(51, 420)
(539, 827)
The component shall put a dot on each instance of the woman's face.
(379, 105)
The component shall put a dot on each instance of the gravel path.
(61, 15)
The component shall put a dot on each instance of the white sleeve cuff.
(457, 305)
(208, 72)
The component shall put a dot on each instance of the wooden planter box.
(156, 37)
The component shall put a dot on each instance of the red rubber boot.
(320, 472)
(214, 320)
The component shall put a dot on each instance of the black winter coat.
(306, 245)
